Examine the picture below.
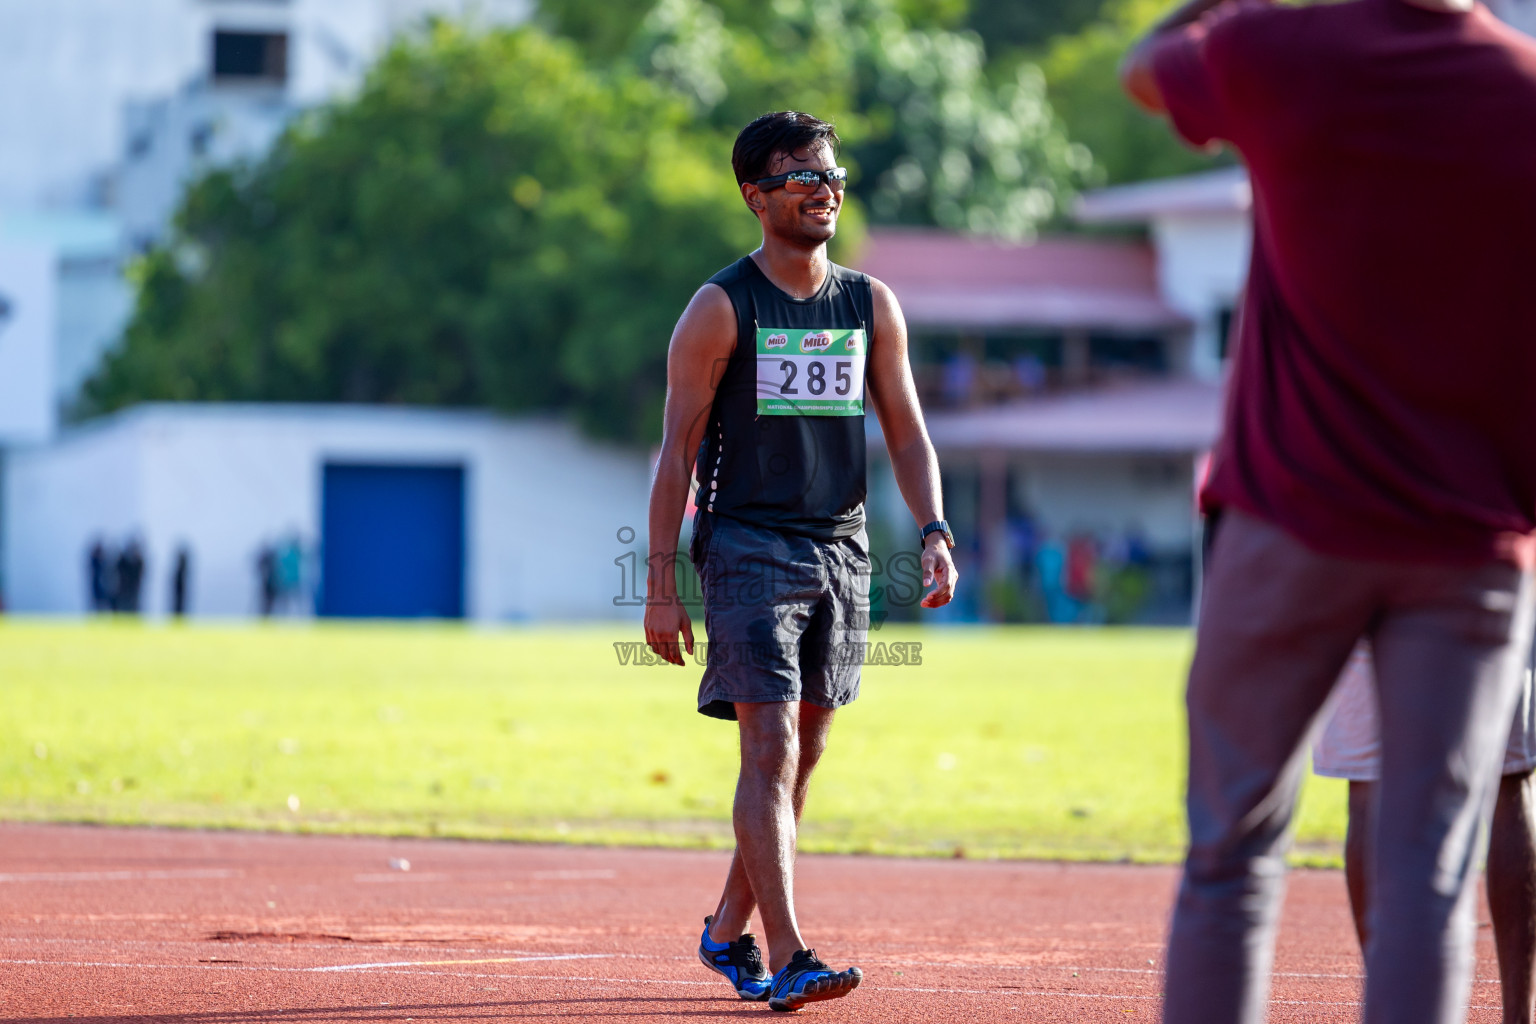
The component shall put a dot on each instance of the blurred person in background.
(180, 581)
(766, 378)
(1375, 475)
(100, 574)
(268, 579)
(289, 570)
(129, 590)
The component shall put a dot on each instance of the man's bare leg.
(1512, 892)
(1356, 847)
(781, 744)
(737, 902)
(1511, 883)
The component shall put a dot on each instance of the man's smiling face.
(800, 219)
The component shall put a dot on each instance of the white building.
(400, 512)
(108, 108)
(28, 311)
(81, 294)
(173, 139)
(1058, 389)
(69, 69)
(1201, 228)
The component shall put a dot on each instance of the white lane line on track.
(447, 947)
(120, 876)
(235, 965)
(516, 953)
(1075, 967)
(449, 963)
(595, 875)
(401, 876)
(713, 983)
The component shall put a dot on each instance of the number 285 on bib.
(810, 373)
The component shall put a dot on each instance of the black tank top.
(784, 447)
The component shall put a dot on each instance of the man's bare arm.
(913, 459)
(1136, 69)
(701, 346)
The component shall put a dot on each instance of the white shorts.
(1350, 744)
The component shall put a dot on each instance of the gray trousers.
(1277, 624)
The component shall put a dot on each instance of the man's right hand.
(696, 359)
(665, 619)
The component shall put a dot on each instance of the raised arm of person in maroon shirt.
(1136, 69)
(1137, 74)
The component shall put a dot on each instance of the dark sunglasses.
(806, 181)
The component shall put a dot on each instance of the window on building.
(1145, 354)
(1224, 319)
(200, 138)
(258, 57)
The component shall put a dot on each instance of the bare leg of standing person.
(1512, 892)
(1511, 883)
(1356, 855)
(810, 741)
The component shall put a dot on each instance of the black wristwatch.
(938, 526)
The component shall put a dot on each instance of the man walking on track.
(1376, 474)
(766, 380)
(1350, 748)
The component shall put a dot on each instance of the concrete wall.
(95, 302)
(543, 506)
(87, 298)
(28, 327)
(57, 500)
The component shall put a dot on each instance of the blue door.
(392, 541)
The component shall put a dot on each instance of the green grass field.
(1011, 742)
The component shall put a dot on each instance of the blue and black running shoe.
(741, 962)
(806, 979)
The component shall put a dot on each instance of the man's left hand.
(938, 572)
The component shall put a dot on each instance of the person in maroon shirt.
(1376, 474)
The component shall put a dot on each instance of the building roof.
(1221, 191)
(1167, 417)
(946, 280)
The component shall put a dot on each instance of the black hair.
(784, 131)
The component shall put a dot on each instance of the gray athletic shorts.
(787, 616)
(1350, 744)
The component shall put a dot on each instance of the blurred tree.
(605, 27)
(933, 140)
(602, 28)
(488, 222)
(1083, 83)
(1029, 25)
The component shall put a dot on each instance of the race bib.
(810, 373)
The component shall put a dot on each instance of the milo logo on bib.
(810, 372)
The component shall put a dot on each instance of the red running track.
(129, 925)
